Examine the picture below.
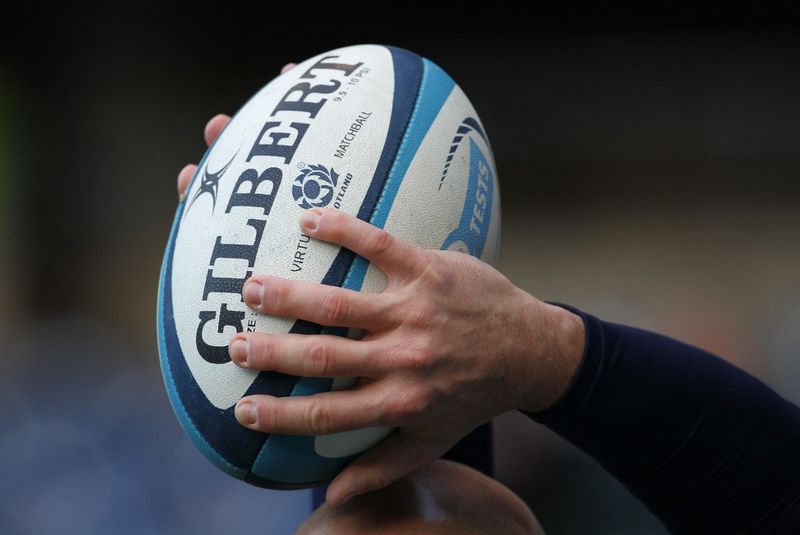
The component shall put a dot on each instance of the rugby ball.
(375, 131)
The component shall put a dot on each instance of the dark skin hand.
(449, 344)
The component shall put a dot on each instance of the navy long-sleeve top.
(705, 446)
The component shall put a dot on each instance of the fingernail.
(246, 412)
(253, 292)
(238, 350)
(309, 220)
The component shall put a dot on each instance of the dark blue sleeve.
(705, 446)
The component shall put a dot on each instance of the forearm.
(704, 445)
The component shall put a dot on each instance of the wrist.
(552, 354)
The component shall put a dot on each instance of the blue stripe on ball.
(436, 86)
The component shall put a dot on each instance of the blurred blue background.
(649, 170)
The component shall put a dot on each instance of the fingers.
(214, 127)
(393, 256)
(212, 130)
(326, 305)
(305, 355)
(287, 67)
(184, 177)
(398, 455)
(320, 414)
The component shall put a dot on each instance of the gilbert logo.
(209, 183)
(243, 220)
(313, 187)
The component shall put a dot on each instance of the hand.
(449, 344)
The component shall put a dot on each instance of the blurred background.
(649, 168)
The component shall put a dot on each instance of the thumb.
(394, 457)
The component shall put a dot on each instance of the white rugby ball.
(375, 131)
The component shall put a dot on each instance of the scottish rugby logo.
(313, 187)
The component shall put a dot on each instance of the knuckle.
(317, 418)
(419, 355)
(392, 353)
(420, 315)
(379, 481)
(436, 274)
(276, 295)
(263, 349)
(379, 242)
(270, 412)
(408, 407)
(418, 359)
(334, 307)
(319, 357)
